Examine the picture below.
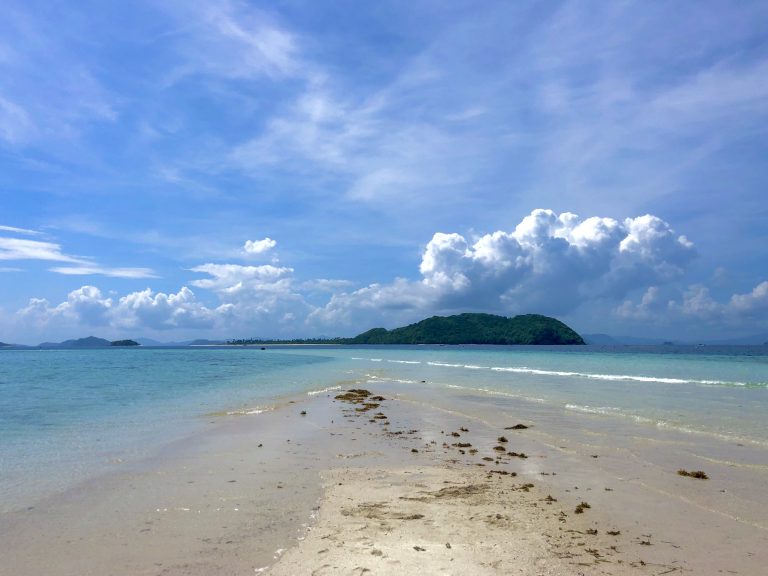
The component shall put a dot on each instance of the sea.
(68, 416)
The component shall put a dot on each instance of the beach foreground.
(393, 479)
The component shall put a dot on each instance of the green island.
(124, 343)
(467, 328)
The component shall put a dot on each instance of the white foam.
(404, 361)
(248, 411)
(608, 377)
(323, 391)
(499, 393)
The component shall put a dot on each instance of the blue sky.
(297, 168)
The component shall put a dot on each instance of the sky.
(297, 168)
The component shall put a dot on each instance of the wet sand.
(420, 483)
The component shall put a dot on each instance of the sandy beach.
(392, 480)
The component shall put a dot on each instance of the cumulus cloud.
(259, 246)
(695, 304)
(264, 297)
(651, 304)
(229, 280)
(751, 305)
(144, 309)
(549, 263)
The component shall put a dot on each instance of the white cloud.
(233, 40)
(16, 127)
(753, 305)
(24, 249)
(103, 271)
(160, 311)
(262, 298)
(19, 230)
(650, 305)
(325, 285)
(145, 310)
(259, 246)
(696, 305)
(229, 280)
(549, 264)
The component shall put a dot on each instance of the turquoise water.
(69, 415)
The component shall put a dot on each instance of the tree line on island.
(467, 328)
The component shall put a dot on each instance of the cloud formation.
(145, 310)
(259, 246)
(549, 263)
(26, 249)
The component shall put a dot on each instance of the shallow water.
(70, 415)
(162, 447)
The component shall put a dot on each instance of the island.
(125, 343)
(467, 328)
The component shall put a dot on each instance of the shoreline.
(233, 498)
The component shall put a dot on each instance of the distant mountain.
(754, 340)
(4, 345)
(473, 328)
(89, 342)
(203, 342)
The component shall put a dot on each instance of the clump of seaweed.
(462, 444)
(464, 429)
(502, 473)
(581, 507)
(455, 434)
(499, 448)
(517, 454)
(355, 395)
(517, 427)
(368, 406)
(502, 439)
(694, 474)
(613, 532)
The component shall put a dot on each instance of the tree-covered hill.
(472, 328)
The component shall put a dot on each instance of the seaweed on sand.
(701, 475)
